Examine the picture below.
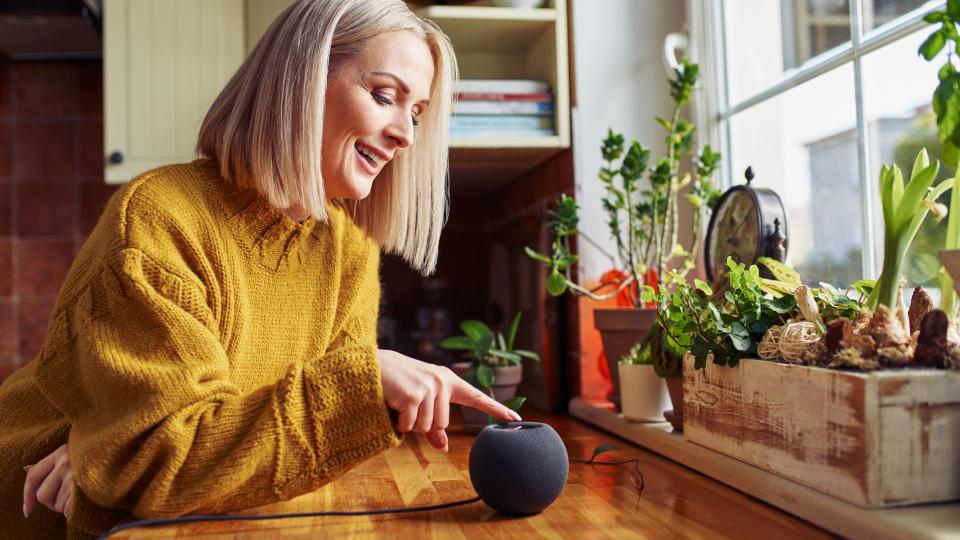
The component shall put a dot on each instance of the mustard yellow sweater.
(206, 353)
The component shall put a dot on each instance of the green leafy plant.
(729, 323)
(946, 97)
(487, 349)
(905, 206)
(643, 222)
(639, 354)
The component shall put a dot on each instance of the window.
(815, 95)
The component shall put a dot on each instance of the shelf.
(492, 30)
(482, 169)
(918, 522)
(506, 142)
(451, 13)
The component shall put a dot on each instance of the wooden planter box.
(873, 439)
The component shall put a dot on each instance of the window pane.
(901, 122)
(765, 38)
(803, 145)
(879, 12)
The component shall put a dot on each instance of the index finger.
(465, 394)
(35, 476)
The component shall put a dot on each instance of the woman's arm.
(157, 426)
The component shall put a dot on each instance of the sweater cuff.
(90, 518)
(347, 422)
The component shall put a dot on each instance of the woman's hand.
(50, 481)
(422, 394)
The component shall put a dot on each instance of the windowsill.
(919, 521)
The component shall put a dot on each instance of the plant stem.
(886, 290)
(669, 220)
(593, 296)
(627, 188)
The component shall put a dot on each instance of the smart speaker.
(518, 468)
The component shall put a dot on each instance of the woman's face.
(372, 104)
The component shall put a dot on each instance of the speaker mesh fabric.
(518, 468)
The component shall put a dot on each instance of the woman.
(214, 345)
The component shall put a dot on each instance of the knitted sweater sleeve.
(159, 429)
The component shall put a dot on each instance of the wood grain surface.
(597, 502)
(886, 438)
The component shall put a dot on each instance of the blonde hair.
(266, 125)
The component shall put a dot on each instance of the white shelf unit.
(507, 43)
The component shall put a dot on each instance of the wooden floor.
(598, 501)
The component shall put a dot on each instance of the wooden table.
(598, 501)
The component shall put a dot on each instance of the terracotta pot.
(675, 415)
(643, 395)
(505, 383)
(620, 329)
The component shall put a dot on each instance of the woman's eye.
(381, 98)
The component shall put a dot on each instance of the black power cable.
(229, 517)
(405, 510)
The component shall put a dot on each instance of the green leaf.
(484, 376)
(481, 348)
(601, 449)
(460, 343)
(780, 271)
(556, 283)
(703, 287)
(932, 45)
(864, 286)
(506, 355)
(648, 294)
(782, 305)
(738, 329)
(739, 337)
(536, 256)
(953, 9)
(915, 192)
(501, 343)
(514, 326)
(949, 153)
(886, 197)
(528, 354)
(476, 330)
(935, 17)
(471, 377)
(515, 403)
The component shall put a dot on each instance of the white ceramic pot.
(643, 395)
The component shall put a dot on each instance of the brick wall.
(51, 190)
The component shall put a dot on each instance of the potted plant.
(643, 222)
(493, 365)
(643, 396)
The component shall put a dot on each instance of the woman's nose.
(400, 131)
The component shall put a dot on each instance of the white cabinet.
(164, 62)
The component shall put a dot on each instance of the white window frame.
(708, 47)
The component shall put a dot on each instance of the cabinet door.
(260, 14)
(164, 62)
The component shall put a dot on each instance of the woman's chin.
(358, 189)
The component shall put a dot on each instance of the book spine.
(539, 108)
(502, 133)
(501, 122)
(513, 86)
(505, 96)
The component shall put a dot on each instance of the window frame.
(708, 25)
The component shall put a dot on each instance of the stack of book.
(502, 108)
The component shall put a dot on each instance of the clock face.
(735, 233)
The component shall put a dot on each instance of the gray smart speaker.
(518, 468)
